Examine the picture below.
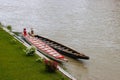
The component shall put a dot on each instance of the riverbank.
(16, 65)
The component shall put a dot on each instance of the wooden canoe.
(62, 48)
(44, 48)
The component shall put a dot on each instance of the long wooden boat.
(44, 48)
(62, 48)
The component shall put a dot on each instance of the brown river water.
(88, 26)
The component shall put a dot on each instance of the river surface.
(91, 27)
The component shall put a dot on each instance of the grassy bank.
(15, 65)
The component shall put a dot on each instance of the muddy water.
(88, 26)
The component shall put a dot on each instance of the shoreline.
(37, 52)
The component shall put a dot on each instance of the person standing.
(32, 32)
(24, 32)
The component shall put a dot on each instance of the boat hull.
(43, 52)
(71, 55)
(63, 49)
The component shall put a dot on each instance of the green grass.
(15, 65)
